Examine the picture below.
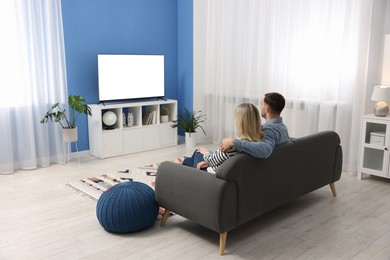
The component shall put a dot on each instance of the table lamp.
(382, 95)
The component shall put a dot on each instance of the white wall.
(379, 27)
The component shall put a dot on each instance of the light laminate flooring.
(42, 218)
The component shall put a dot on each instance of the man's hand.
(226, 144)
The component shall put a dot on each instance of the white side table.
(374, 146)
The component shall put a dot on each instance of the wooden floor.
(42, 218)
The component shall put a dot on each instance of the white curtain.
(33, 76)
(315, 53)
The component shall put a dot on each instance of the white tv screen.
(130, 76)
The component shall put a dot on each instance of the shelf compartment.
(136, 111)
(150, 115)
(373, 127)
(373, 159)
(118, 120)
(172, 115)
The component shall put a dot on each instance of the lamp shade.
(381, 93)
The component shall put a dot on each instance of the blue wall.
(185, 55)
(127, 27)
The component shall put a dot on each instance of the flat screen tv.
(130, 76)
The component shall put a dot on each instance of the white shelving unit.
(374, 146)
(119, 139)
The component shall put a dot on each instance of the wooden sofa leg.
(222, 242)
(333, 188)
(165, 217)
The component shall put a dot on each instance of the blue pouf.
(127, 207)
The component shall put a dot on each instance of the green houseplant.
(189, 122)
(57, 114)
(164, 115)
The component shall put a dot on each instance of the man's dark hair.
(275, 101)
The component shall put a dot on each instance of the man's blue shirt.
(275, 133)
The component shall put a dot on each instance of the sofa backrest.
(294, 169)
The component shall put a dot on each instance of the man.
(275, 130)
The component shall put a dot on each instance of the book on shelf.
(145, 118)
(149, 118)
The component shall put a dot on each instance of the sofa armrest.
(197, 195)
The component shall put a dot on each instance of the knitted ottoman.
(127, 207)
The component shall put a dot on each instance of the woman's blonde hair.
(248, 122)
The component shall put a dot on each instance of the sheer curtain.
(313, 52)
(32, 68)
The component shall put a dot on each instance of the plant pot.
(190, 140)
(164, 119)
(69, 135)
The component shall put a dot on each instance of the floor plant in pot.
(57, 114)
(189, 122)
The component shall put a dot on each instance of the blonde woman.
(248, 123)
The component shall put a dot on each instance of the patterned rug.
(94, 187)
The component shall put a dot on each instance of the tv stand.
(163, 98)
(146, 133)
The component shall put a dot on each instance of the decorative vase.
(69, 135)
(381, 109)
(164, 119)
(190, 140)
(109, 118)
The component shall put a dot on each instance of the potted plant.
(57, 114)
(189, 122)
(164, 115)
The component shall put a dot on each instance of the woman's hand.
(202, 165)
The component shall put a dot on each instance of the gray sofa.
(244, 187)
